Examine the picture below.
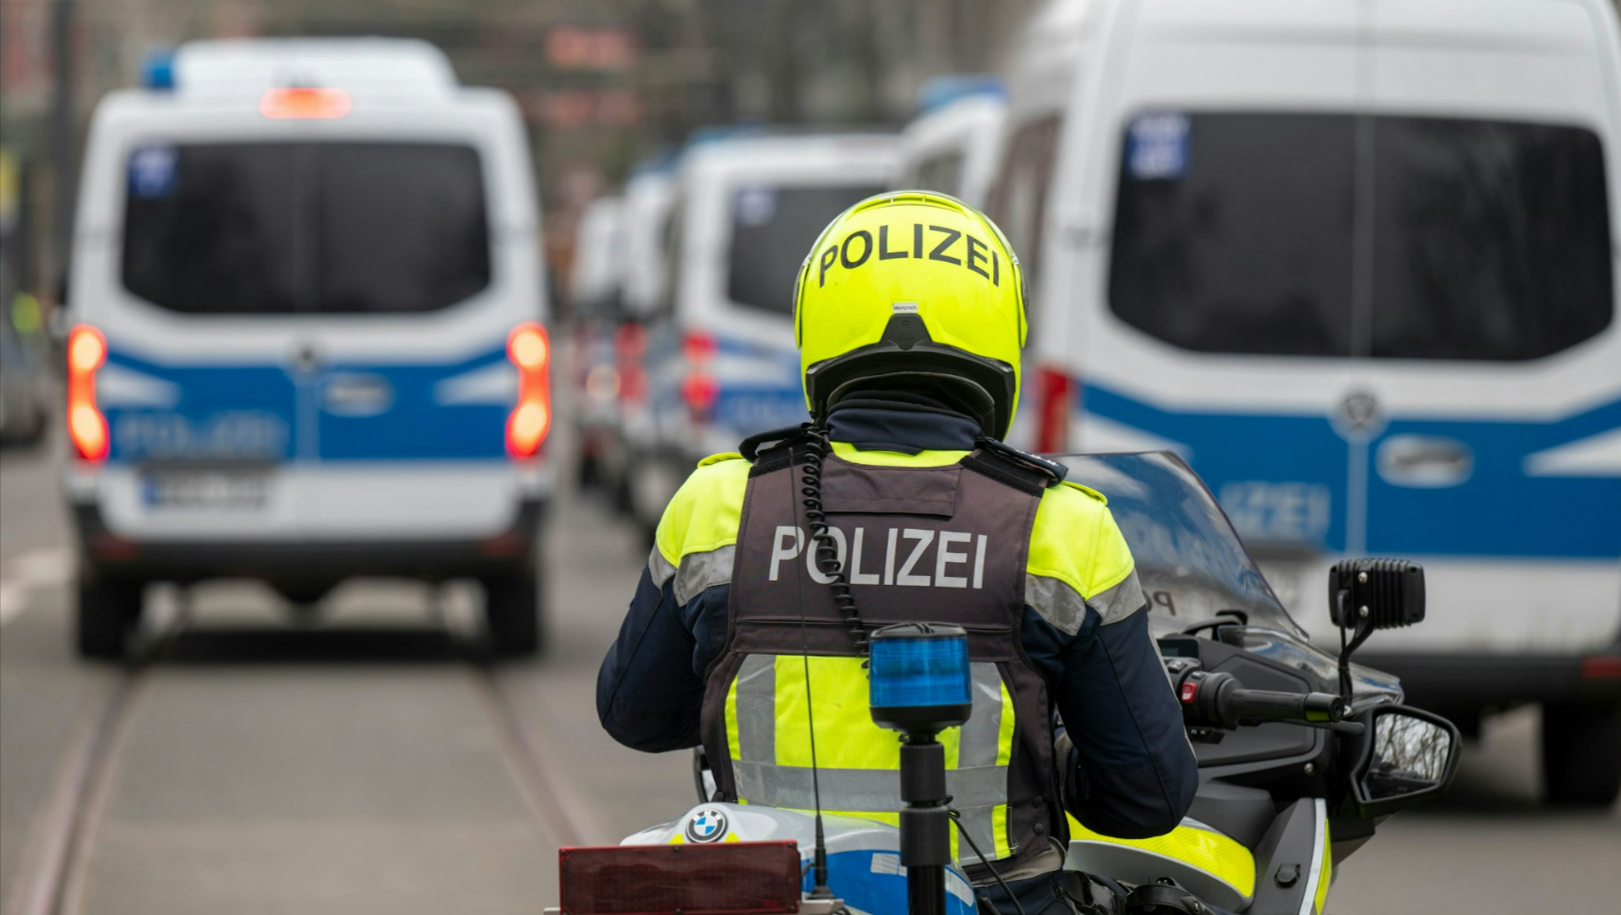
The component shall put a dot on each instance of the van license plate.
(209, 490)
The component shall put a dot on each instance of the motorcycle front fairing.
(1257, 838)
(1198, 575)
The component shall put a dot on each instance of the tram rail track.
(56, 868)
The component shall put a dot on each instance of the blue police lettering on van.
(152, 172)
(1157, 146)
(235, 435)
(1278, 512)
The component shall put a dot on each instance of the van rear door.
(419, 283)
(328, 302)
(1207, 200)
(206, 416)
(1492, 356)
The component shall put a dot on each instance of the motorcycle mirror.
(1376, 593)
(1408, 758)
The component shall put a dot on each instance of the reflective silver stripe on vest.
(977, 786)
(1057, 602)
(1116, 603)
(659, 568)
(757, 708)
(697, 572)
(979, 735)
(979, 748)
(859, 790)
(1065, 608)
(700, 571)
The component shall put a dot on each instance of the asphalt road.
(368, 765)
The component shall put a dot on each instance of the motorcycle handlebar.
(1217, 700)
(1265, 705)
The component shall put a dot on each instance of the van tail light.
(531, 352)
(723, 878)
(1055, 402)
(700, 389)
(87, 427)
(630, 345)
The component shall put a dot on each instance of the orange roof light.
(305, 103)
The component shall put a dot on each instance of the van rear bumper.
(1474, 682)
(309, 561)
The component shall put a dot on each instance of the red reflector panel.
(1601, 667)
(731, 878)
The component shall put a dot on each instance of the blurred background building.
(602, 83)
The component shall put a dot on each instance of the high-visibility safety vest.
(919, 543)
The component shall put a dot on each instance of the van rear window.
(1381, 236)
(940, 172)
(773, 229)
(247, 228)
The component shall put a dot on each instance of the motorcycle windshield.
(1189, 559)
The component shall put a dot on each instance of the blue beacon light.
(919, 677)
(157, 69)
(920, 685)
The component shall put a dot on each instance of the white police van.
(1358, 262)
(595, 299)
(308, 346)
(721, 362)
(621, 381)
(952, 145)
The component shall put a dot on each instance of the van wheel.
(513, 611)
(108, 612)
(1581, 754)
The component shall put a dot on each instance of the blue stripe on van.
(251, 412)
(754, 406)
(1281, 475)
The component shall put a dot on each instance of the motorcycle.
(1302, 754)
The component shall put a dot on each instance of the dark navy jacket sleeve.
(651, 686)
(648, 697)
(1130, 771)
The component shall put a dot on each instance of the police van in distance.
(595, 297)
(621, 379)
(720, 360)
(952, 145)
(308, 339)
(1357, 262)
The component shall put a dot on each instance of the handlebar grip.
(1216, 699)
(1266, 705)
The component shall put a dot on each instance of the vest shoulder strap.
(1015, 469)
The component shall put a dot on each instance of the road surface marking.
(31, 571)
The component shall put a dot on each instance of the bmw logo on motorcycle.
(707, 825)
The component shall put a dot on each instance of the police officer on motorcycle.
(897, 504)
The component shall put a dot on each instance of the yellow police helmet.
(912, 285)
